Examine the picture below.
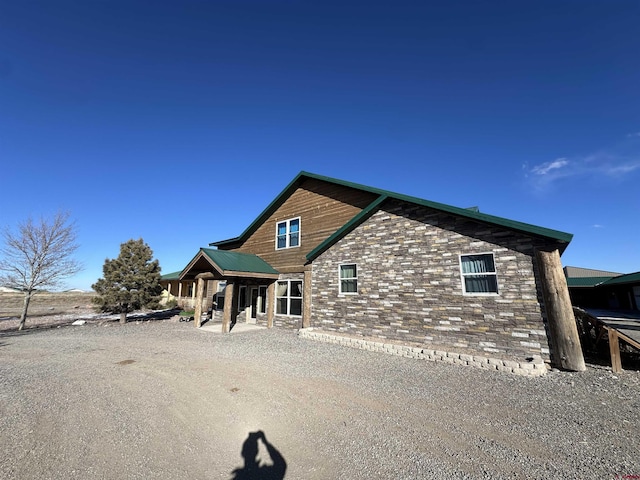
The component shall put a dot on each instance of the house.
(347, 258)
(601, 289)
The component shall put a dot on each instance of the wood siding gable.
(323, 208)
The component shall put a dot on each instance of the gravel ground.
(163, 400)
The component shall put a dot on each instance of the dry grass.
(45, 303)
(45, 309)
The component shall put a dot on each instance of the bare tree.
(37, 256)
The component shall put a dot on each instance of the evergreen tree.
(131, 281)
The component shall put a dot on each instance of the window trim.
(340, 279)
(289, 297)
(288, 233)
(494, 274)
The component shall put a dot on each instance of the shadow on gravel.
(252, 469)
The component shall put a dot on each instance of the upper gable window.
(288, 233)
(479, 275)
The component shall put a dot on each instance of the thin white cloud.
(631, 135)
(545, 168)
(597, 225)
(616, 162)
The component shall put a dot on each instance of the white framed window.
(242, 298)
(262, 299)
(348, 273)
(479, 276)
(288, 233)
(219, 296)
(289, 297)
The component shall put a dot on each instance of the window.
(242, 298)
(289, 297)
(262, 299)
(219, 296)
(479, 274)
(348, 278)
(288, 234)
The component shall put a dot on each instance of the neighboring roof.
(228, 263)
(579, 272)
(171, 276)
(586, 281)
(560, 237)
(628, 278)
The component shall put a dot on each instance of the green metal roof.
(171, 276)
(238, 262)
(555, 235)
(628, 278)
(586, 281)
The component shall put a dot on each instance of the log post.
(228, 302)
(306, 297)
(614, 351)
(197, 315)
(565, 341)
(271, 303)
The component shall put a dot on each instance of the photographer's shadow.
(253, 469)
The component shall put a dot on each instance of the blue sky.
(178, 122)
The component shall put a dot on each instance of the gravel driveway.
(164, 400)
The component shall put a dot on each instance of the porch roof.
(223, 263)
(628, 278)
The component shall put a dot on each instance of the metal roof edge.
(171, 276)
(626, 278)
(559, 236)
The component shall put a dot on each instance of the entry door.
(254, 303)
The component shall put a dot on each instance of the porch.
(230, 288)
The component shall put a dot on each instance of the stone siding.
(410, 287)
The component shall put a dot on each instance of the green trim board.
(557, 236)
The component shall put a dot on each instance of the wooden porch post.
(614, 350)
(271, 303)
(228, 307)
(179, 290)
(197, 315)
(306, 297)
(562, 324)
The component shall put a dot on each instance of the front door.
(254, 304)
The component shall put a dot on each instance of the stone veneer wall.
(410, 288)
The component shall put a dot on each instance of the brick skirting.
(534, 368)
